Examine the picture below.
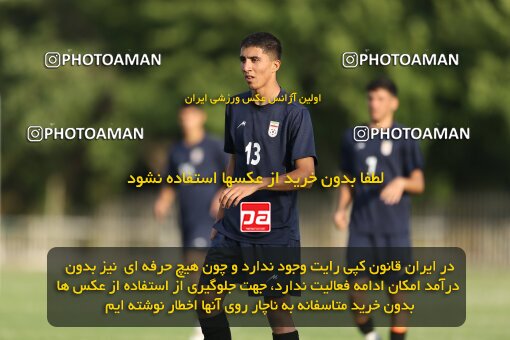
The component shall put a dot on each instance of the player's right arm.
(341, 216)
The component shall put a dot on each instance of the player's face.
(258, 67)
(381, 104)
(191, 119)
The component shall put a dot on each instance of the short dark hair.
(383, 83)
(266, 41)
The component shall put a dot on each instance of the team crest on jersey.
(273, 128)
(386, 147)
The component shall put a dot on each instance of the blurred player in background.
(380, 214)
(262, 138)
(196, 153)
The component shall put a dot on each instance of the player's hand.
(213, 233)
(340, 219)
(233, 195)
(393, 191)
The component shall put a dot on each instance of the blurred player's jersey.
(394, 158)
(267, 139)
(204, 158)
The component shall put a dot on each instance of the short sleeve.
(346, 159)
(302, 142)
(229, 140)
(413, 158)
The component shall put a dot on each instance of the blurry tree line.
(199, 41)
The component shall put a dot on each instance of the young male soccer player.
(262, 138)
(380, 213)
(196, 153)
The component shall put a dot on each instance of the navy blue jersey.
(267, 139)
(393, 157)
(204, 158)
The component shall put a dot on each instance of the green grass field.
(23, 315)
